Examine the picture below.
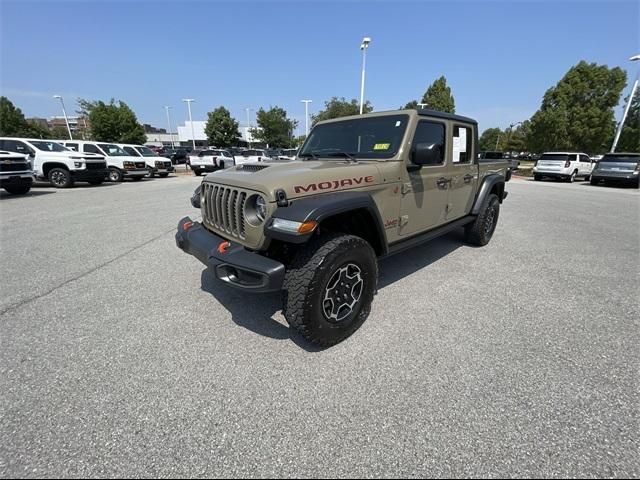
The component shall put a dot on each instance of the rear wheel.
(115, 175)
(60, 178)
(480, 231)
(329, 287)
(18, 189)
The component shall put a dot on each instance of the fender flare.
(483, 192)
(321, 207)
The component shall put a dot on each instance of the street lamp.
(193, 135)
(64, 111)
(306, 116)
(635, 58)
(166, 107)
(510, 132)
(248, 126)
(363, 46)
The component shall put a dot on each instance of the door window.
(432, 133)
(585, 159)
(91, 148)
(17, 147)
(462, 144)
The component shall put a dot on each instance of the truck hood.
(299, 178)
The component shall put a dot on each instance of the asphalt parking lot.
(121, 356)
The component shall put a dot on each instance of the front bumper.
(138, 172)
(16, 178)
(90, 174)
(236, 265)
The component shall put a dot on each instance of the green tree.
(113, 122)
(492, 139)
(517, 139)
(221, 129)
(13, 123)
(578, 113)
(630, 136)
(274, 128)
(298, 141)
(340, 107)
(438, 96)
(412, 105)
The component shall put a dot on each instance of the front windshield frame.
(106, 147)
(38, 144)
(388, 145)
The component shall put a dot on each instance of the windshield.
(147, 152)
(113, 150)
(49, 147)
(373, 137)
(621, 158)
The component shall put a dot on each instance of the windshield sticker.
(382, 146)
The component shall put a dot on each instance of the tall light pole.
(510, 132)
(193, 135)
(166, 107)
(248, 126)
(64, 111)
(363, 46)
(306, 116)
(635, 58)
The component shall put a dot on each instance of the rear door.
(463, 173)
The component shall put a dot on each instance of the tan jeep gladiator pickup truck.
(361, 188)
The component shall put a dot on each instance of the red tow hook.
(222, 248)
(187, 225)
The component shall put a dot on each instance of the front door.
(463, 173)
(425, 191)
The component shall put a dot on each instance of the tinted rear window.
(556, 156)
(621, 158)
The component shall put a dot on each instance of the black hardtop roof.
(448, 116)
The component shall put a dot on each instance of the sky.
(498, 57)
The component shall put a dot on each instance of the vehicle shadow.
(5, 196)
(81, 185)
(256, 312)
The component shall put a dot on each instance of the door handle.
(442, 182)
(468, 178)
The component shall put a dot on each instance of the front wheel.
(18, 189)
(480, 231)
(115, 175)
(572, 178)
(60, 178)
(329, 287)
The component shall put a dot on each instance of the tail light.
(567, 164)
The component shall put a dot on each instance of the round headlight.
(261, 208)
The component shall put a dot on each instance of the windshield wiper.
(308, 154)
(349, 156)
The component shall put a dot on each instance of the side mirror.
(426, 154)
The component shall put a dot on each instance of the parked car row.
(64, 162)
(612, 167)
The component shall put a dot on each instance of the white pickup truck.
(16, 175)
(59, 165)
(210, 160)
(563, 165)
(120, 164)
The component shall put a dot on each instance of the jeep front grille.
(223, 209)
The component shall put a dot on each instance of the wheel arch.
(354, 213)
(493, 183)
(48, 166)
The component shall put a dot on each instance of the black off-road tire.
(18, 189)
(307, 280)
(115, 175)
(480, 231)
(60, 178)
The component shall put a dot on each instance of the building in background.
(79, 125)
(184, 137)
